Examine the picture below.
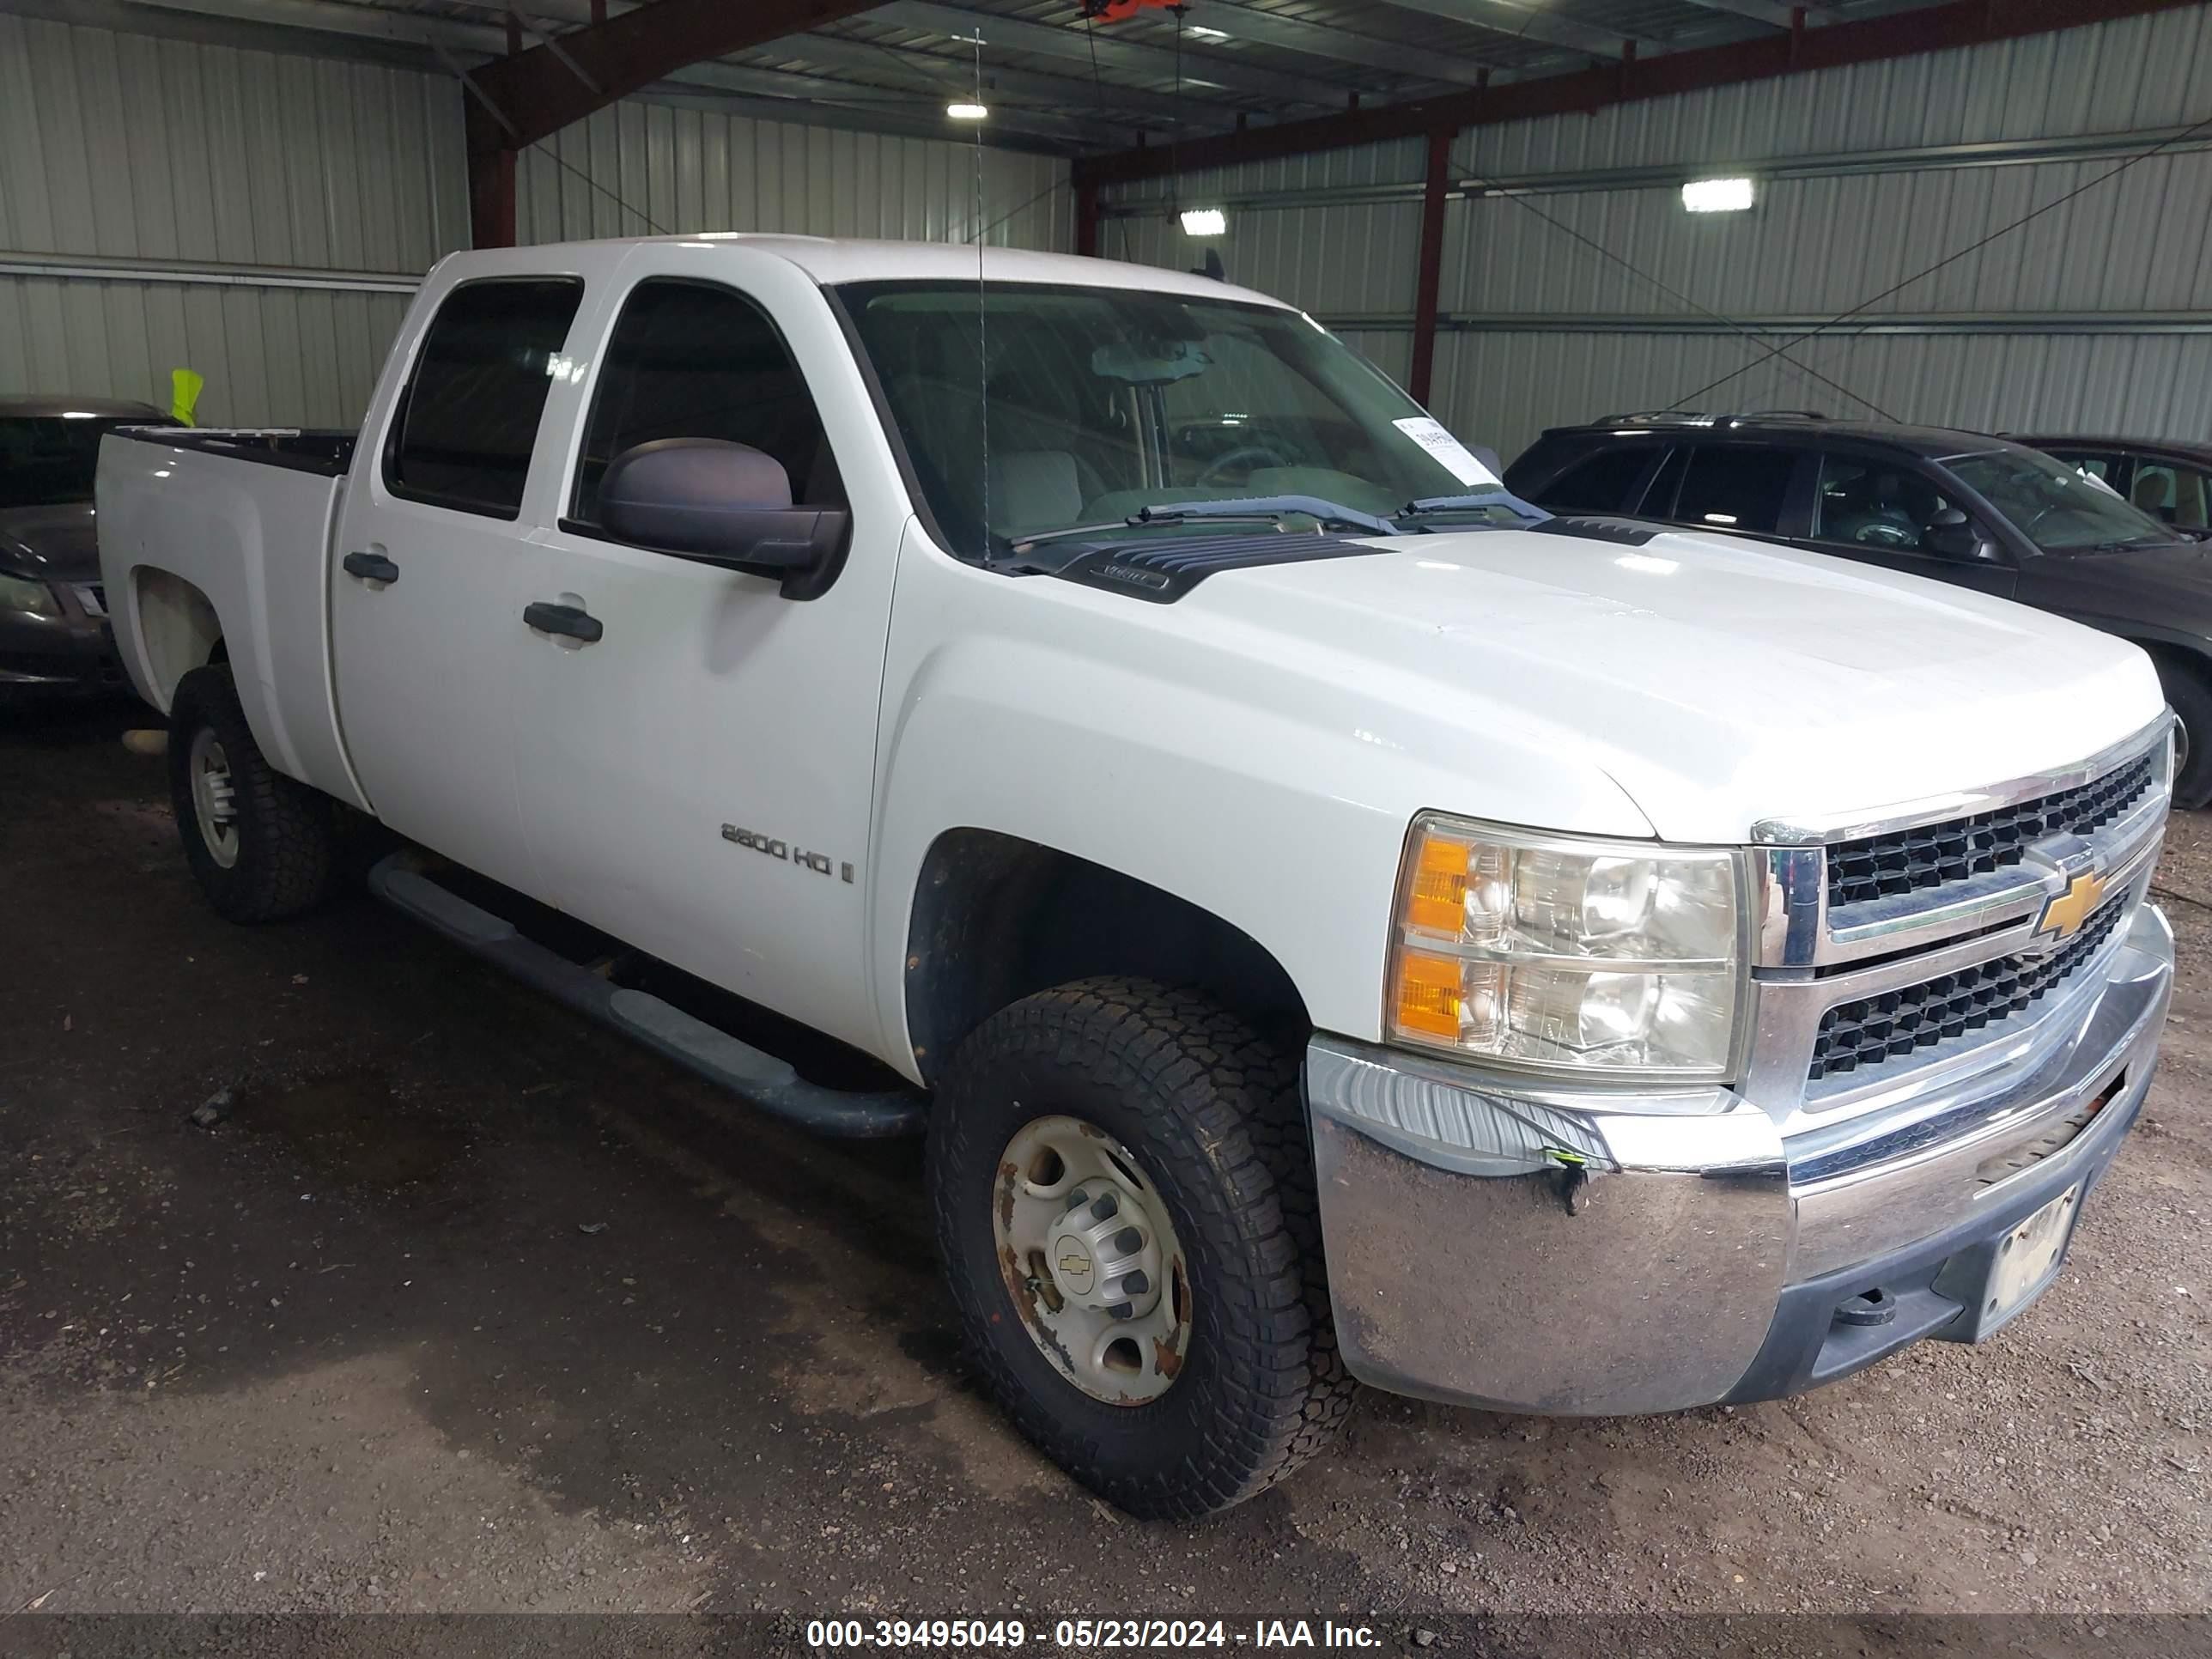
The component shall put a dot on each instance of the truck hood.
(49, 543)
(1717, 682)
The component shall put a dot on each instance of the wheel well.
(996, 918)
(179, 628)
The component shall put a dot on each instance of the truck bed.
(200, 525)
(327, 452)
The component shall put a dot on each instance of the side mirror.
(723, 504)
(1955, 536)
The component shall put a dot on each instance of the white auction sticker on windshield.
(1457, 458)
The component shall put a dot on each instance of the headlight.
(1566, 956)
(17, 595)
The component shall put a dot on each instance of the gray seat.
(1034, 490)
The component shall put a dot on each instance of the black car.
(54, 634)
(1963, 507)
(2170, 480)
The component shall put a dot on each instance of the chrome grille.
(1877, 1030)
(1935, 855)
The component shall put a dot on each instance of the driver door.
(696, 759)
(1879, 509)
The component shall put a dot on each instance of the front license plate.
(2029, 1251)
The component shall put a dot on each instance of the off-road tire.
(287, 836)
(1211, 1110)
(2189, 693)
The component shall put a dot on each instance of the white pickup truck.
(1333, 920)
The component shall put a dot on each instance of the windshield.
(2054, 506)
(1090, 405)
(48, 460)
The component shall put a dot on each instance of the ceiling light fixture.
(966, 111)
(1199, 31)
(1718, 195)
(1204, 222)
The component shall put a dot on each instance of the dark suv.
(1963, 507)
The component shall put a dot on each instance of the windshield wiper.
(1249, 509)
(1499, 497)
(2125, 543)
(1269, 509)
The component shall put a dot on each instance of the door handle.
(577, 624)
(371, 568)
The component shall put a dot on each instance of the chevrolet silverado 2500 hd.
(1336, 921)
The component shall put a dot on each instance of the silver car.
(54, 634)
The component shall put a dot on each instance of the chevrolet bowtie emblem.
(2064, 913)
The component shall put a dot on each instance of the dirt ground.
(468, 1305)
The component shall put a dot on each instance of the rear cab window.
(468, 420)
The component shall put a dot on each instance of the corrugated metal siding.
(2138, 242)
(2141, 242)
(270, 356)
(132, 147)
(638, 167)
(127, 147)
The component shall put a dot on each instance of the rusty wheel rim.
(1092, 1261)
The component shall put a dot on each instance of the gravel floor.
(468, 1305)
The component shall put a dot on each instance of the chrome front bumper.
(1574, 1253)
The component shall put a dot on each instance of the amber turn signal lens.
(1429, 995)
(1437, 902)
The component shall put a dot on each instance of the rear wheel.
(260, 844)
(2190, 694)
(1124, 1201)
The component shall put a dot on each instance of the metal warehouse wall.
(263, 218)
(2098, 314)
(638, 167)
(119, 152)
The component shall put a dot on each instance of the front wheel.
(2190, 696)
(1124, 1201)
(259, 844)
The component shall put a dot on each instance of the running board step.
(760, 1077)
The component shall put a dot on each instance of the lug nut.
(1078, 1198)
(1105, 1209)
(1129, 1241)
(1136, 1285)
(1119, 1310)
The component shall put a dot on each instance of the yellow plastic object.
(185, 388)
(1429, 995)
(1436, 902)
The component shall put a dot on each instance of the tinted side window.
(1874, 504)
(690, 360)
(1600, 483)
(1736, 487)
(470, 415)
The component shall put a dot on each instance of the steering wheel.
(1881, 533)
(1250, 456)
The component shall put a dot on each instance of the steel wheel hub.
(1092, 1261)
(213, 800)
